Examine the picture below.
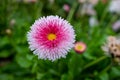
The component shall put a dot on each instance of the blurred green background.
(17, 62)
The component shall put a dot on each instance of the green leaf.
(64, 77)
(88, 79)
(6, 77)
(104, 76)
(40, 76)
(4, 54)
(30, 57)
(23, 61)
(4, 41)
(75, 64)
(115, 72)
(89, 56)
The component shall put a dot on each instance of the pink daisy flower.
(80, 47)
(51, 38)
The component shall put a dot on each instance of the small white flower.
(93, 2)
(88, 9)
(116, 26)
(115, 6)
(93, 21)
(112, 48)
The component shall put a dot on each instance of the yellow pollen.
(51, 36)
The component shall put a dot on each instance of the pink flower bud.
(80, 47)
(66, 7)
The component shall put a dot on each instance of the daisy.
(87, 9)
(93, 21)
(116, 26)
(112, 48)
(80, 47)
(51, 38)
(115, 6)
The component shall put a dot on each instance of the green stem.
(104, 14)
(106, 69)
(38, 9)
(94, 62)
(111, 21)
(70, 15)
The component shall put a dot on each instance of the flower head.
(93, 2)
(115, 6)
(93, 21)
(51, 37)
(8, 31)
(12, 22)
(80, 47)
(87, 9)
(112, 48)
(66, 7)
(116, 26)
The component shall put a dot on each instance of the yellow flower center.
(51, 36)
(79, 47)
